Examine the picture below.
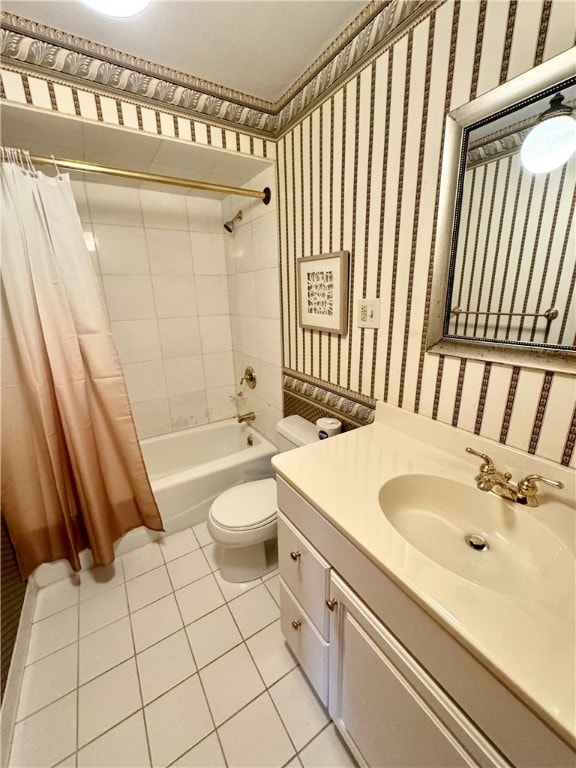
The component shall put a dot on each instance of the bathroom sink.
(478, 536)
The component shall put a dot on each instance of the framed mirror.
(504, 284)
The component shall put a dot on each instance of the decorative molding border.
(357, 409)
(39, 49)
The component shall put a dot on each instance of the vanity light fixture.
(552, 141)
(119, 8)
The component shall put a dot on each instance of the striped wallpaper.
(516, 253)
(361, 173)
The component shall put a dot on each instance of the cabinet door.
(389, 711)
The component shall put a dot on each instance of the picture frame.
(323, 292)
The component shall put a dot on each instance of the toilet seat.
(246, 507)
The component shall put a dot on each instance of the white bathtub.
(187, 470)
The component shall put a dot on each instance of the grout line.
(142, 709)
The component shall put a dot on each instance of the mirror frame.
(554, 70)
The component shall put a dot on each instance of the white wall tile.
(204, 215)
(163, 210)
(265, 241)
(129, 297)
(184, 374)
(137, 340)
(215, 333)
(208, 253)
(246, 293)
(179, 336)
(212, 294)
(188, 410)
(145, 381)
(152, 417)
(175, 295)
(169, 252)
(267, 293)
(110, 204)
(220, 403)
(218, 369)
(121, 250)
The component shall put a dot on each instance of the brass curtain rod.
(76, 165)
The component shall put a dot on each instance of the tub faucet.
(490, 480)
(242, 417)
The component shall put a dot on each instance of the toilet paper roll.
(327, 427)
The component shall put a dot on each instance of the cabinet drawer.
(305, 573)
(308, 646)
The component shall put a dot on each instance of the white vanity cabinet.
(388, 709)
(401, 690)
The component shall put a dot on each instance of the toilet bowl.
(243, 519)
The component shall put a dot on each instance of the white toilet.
(243, 518)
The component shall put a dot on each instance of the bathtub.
(187, 470)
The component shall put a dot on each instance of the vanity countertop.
(528, 643)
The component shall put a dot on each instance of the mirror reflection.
(513, 264)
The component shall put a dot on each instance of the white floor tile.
(294, 763)
(104, 649)
(104, 609)
(213, 553)
(213, 635)
(148, 588)
(177, 721)
(143, 559)
(254, 610)
(191, 567)
(178, 544)
(47, 680)
(123, 747)
(230, 589)
(305, 720)
(155, 622)
(255, 737)
(231, 682)
(327, 751)
(271, 654)
(207, 754)
(105, 701)
(53, 633)
(97, 580)
(273, 586)
(199, 598)
(164, 665)
(68, 762)
(46, 737)
(202, 534)
(56, 597)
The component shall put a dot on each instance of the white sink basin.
(436, 515)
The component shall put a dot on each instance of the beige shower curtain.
(72, 472)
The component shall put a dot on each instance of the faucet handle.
(528, 483)
(488, 463)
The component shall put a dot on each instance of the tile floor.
(156, 661)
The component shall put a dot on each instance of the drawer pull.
(331, 604)
(295, 555)
(297, 624)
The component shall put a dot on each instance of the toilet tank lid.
(298, 430)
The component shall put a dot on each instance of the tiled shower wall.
(162, 266)
(254, 292)
(361, 173)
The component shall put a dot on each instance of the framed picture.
(323, 292)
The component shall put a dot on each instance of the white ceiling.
(257, 47)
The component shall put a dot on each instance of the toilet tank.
(294, 431)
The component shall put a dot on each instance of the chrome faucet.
(489, 479)
(242, 417)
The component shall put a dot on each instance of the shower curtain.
(72, 471)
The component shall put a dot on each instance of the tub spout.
(242, 417)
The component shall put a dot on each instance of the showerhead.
(229, 225)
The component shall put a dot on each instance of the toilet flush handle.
(295, 555)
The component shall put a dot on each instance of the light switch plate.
(368, 313)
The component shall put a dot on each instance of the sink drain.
(477, 542)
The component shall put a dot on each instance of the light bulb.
(119, 8)
(549, 144)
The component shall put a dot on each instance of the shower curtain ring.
(33, 171)
(56, 166)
